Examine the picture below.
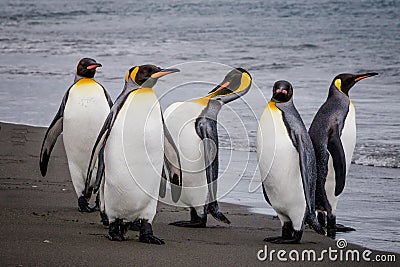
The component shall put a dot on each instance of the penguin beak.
(163, 72)
(219, 87)
(94, 66)
(363, 76)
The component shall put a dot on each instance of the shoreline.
(41, 224)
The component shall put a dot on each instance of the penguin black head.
(282, 91)
(235, 84)
(345, 81)
(87, 67)
(150, 73)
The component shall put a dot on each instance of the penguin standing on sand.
(83, 110)
(333, 133)
(136, 146)
(287, 165)
(193, 126)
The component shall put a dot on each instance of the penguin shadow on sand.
(80, 116)
(131, 139)
(193, 127)
(333, 134)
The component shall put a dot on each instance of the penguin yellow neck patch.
(244, 82)
(272, 106)
(338, 84)
(202, 101)
(132, 75)
(85, 81)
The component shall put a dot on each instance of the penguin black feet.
(83, 205)
(195, 221)
(146, 234)
(104, 218)
(289, 235)
(135, 225)
(343, 229)
(213, 209)
(117, 230)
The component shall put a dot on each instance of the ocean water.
(305, 42)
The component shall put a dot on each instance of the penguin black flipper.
(335, 148)
(306, 172)
(108, 97)
(52, 133)
(172, 163)
(206, 129)
(98, 148)
(100, 161)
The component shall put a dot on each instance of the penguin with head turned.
(287, 165)
(136, 146)
(333, 133)
(193, 126)
(80, 116)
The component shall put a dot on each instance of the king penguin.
(193, 126)
(287, 165)
(333, 133)
(80, 117)
(136, 145)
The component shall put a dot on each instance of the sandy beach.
(42, 227)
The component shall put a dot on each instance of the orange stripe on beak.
(223, 86)
(360, 78)
(92, 67)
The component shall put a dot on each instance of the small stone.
(46, 241)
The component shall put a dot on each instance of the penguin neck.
(281, 103)
(78, 77)
(212, 109)
(334, 93)
(130, 86)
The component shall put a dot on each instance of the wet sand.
(42, 227)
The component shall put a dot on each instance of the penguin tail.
(213, 209)
(313, 222)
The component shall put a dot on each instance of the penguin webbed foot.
(117, 230)
(195, 220)
(343, 229)
(285, 239)
(213, 209)
(146, 234)
(104, 218)
(189, 224)
(135, 225)
(272, 239)
(83, 205)
(281, 240)
(151, 239)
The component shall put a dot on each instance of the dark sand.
(40, 224)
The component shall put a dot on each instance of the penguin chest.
(279, 164)
(180, 119)
(348, 136)
(134, 154)
(84, 114)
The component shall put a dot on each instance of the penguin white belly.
(134, 157)
(180, 119)
(84, 115)
(280, 168)
(348, 139)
